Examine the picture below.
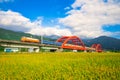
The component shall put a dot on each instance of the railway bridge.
(75, 43)
(68, 42)
(32, 47)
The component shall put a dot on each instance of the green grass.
(60, 66)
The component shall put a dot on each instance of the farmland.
(60, 66)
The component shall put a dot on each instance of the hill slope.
(12, 35)
(108, 43)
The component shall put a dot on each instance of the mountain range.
(108, 43)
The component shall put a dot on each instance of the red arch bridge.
(68, 42)
(75, 43)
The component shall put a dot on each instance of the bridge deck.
(26, 43)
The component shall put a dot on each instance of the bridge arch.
(98, 47)
(71, 42)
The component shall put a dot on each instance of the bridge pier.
(36, 49)
(33, 49)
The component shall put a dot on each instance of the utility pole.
(41, 39)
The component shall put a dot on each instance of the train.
(28, 39)
(33, 40)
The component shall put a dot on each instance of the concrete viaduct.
(32, 47)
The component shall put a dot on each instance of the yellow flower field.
(60, 66)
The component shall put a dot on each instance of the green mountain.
(12, 35)
(107, 43)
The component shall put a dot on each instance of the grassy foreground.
(60, 66)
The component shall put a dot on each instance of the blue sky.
(49, 9)
(83, 18)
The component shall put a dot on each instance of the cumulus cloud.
(14, 21)
(88, 17)
(17, 22)
(50, 31)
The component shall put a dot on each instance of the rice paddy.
(60, 66)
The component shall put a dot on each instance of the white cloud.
(14, 21)
(17, 22)
(67, 8)
(116, 34)
(88, 17)
(50, 31)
